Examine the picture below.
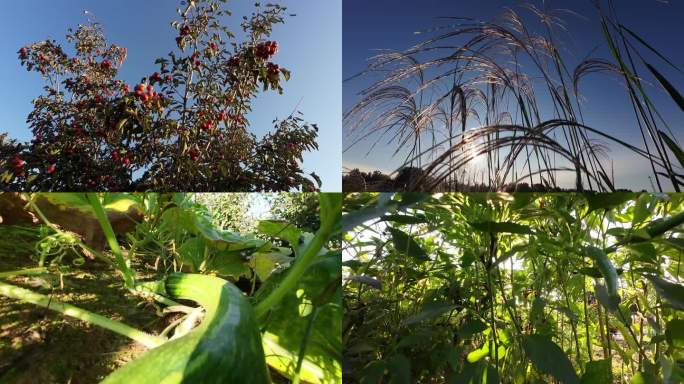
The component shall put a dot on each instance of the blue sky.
(310, 46)
(386, 24)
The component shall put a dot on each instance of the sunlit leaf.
(476, 355)
(407, 245)
(280, 229)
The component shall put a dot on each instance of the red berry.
(106, 64)
(126, 161)
(51, 169)
(17, 162)
(140, 89)
(156, 77)
(185, 30)
(194, 154)
(115, 156)
(273, 69)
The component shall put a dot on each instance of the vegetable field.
(522, 288)
(172, 288)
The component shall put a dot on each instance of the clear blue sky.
(310, 46)
(388, 24)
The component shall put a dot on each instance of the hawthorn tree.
(183, 127)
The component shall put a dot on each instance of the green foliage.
(261, 304)
(548, 358)
(597, 372)
(405, 244)
(523, 288)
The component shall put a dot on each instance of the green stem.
(56, 229)
(296, 272)
(305, 341)
(129, 277)
(44, 301)
(23, 272)
(654, 229)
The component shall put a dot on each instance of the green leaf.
(407, 245)
(264, 263)
(430, 310)
(674, 242)
(287, 322)
(373, 372)
(644, 378)
(471, 327)
(229, 263)
(549, 358)
(374, 209)
(399, 367)
(478, 354)
(673, 147)
(331, 208)
(641, 208)
(281, 230)
(597, 372)
(672, 293)
(503, 227)
(676, 96)
(192, 252)
(674, 333)
(607, 200)
(655, 51)
(405, 219)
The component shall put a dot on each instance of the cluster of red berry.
(185, 31)
(23, 53)
(155, 78)
(117, 157)
(145, 93)
(207, 125)
(18, 165)
(194, 154)
(273, 69)
(267, 50)
(106, 65)
(195, 59)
